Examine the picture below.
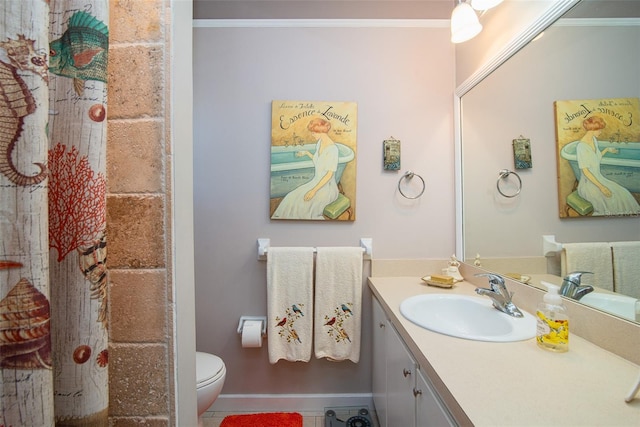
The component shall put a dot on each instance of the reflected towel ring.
(409, 175)
(504, 174)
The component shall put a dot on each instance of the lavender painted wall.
(403, 82)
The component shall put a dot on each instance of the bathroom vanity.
(402, 394)
(423, 378)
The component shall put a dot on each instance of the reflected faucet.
(499, 294)
(572, 288)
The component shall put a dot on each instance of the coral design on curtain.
(53, 275)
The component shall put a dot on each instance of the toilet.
(210, 374)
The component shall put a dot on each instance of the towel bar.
(549, 245)
(365, 243)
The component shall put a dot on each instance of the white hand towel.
(289, 303)
(626, 268)
(338, 303)
(594, 257)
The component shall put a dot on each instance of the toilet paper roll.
(252, 334)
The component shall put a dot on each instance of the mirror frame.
(528, 33)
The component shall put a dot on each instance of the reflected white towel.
(289, 303)
(626, 268)
(338, 303)
(594, 257)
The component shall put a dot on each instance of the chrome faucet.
(499, 294)
(572, 288)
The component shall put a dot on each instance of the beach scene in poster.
(598, 157)
(313, 160)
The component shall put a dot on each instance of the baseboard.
(288, 402)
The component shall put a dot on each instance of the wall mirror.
(590, 52)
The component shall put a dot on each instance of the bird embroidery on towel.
(336, 320)
(285, 324)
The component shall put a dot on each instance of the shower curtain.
(53, 276)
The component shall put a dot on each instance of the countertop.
(516, 383)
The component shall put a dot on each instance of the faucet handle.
(499, 294)
(575, 276)
(494, 279)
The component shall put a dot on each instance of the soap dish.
(428, 281)
(520, 277)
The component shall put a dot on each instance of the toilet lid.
(208, 366)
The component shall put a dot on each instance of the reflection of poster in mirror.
(598, 155)
(313, 160)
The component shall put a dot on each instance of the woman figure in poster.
(606, 196)
(309, 200)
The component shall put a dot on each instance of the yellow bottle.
(553, 322)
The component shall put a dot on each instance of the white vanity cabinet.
(401, 379)
(402, 394)
(379, 387)
(430, 411)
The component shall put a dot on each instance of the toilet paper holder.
(243, 319)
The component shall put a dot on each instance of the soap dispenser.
(553, 322)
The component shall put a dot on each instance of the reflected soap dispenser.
(553, 322)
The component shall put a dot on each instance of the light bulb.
(464, 23)
(484, 4)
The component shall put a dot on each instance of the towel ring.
(409, 175)
(504, 174)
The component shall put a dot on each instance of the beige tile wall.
(138, 219)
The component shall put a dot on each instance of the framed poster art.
(313, 160)
(598, 157)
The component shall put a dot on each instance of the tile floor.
(309, 418)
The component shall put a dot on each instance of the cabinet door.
(430, 411)
(401, 373)
(379, 368)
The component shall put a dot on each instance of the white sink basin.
(620, 305)
(469, 317)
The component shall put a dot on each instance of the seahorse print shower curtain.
(53, 276)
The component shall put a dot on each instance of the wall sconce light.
(464, 23)
(484, 4)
